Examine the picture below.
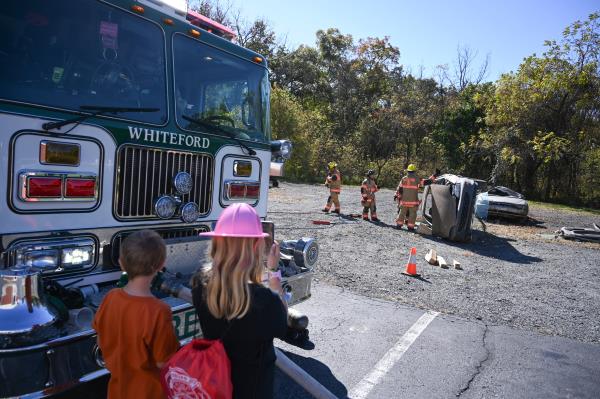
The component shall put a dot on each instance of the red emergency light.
(210, 26)
(253, 191)
(44, 187)
(241, 190)
(57, 186)
(236, 191)
(80, 188)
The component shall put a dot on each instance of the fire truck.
(116, 116)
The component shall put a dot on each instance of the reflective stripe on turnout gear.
(413, 187)
(335, 186)
(409, 203)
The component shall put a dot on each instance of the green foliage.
(536, 130)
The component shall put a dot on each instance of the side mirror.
(281, 149)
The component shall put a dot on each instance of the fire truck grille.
(169, 235)
(145, 174)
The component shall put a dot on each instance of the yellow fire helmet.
(412, 168)
(332, 165)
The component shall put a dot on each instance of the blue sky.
(427, 32)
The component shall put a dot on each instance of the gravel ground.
(513, 275)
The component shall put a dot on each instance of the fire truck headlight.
(189, 212)
(40, 259)
(183, 183)
(76, 257)
(165, 207)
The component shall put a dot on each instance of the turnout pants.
(407, 214)
(369, 205)
(333, 198)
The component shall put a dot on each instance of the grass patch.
(565, 207)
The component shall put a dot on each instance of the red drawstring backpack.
(201, 369)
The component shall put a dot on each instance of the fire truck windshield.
(218, 88)
(62, 55)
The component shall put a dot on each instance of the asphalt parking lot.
(358, 349)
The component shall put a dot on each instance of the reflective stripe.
(409, 203)
(335, 190)
(413, 187)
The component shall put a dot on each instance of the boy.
(135, 330)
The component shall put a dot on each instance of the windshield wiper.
(94, 111)
(219, 129)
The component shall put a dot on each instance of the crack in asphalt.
(332, 328)
(479, 367)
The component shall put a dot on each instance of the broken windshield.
(217, 88)
(55, 54)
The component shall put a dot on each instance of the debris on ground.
(431, 257)
(456, 264)
(442, 262)
(326, 222)
(581, 234)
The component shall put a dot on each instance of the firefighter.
(334, 182)
(407, 195)
(431, 179)
(368, 190)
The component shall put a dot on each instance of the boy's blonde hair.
(142, 253)
(235, 263)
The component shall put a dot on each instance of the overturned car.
(447, 207)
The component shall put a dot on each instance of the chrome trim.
(276, 169)
(12, 192)
(97, 353)
(43, 145)
(229, 183)
(24, 175)
(134, 198)
(93, 375)
(96, 278)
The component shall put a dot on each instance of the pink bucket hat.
(238, 220)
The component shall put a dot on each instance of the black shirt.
(248, 341)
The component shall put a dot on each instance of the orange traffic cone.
(411, 266)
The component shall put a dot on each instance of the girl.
(232, 304)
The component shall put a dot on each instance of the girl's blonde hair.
(236, 262)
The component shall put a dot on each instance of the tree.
(546, 115)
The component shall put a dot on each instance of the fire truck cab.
(115, 116)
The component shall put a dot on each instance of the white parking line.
(392, 356)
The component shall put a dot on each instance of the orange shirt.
(134, 333)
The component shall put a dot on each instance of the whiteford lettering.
(160, 136)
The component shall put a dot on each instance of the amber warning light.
(58, 153)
